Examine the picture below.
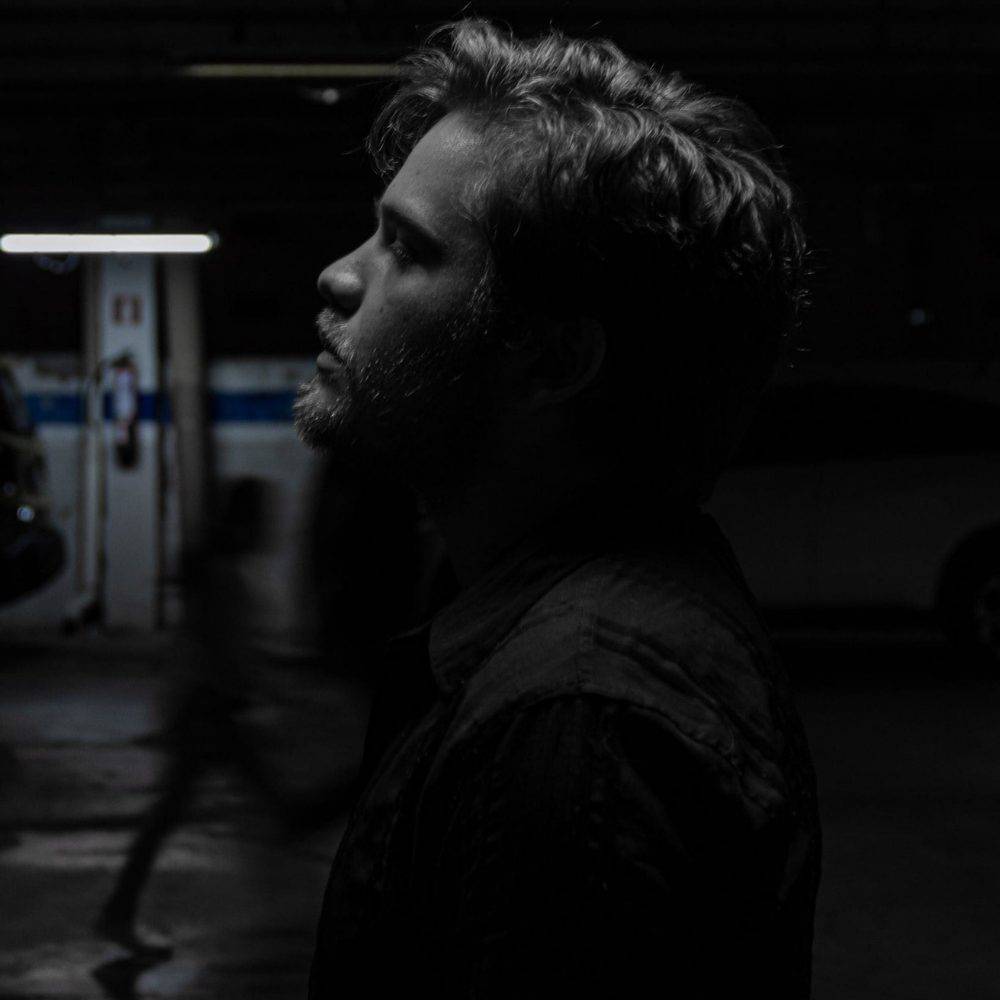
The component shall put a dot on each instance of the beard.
(417, 409)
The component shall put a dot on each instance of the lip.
(329, 362)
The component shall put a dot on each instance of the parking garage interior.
(147, 396)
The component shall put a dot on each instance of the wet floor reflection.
(119, 976)
(907, 754)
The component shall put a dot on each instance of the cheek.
(368, 329)
(397, 319)
(404, 309)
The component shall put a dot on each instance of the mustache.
(330, 326)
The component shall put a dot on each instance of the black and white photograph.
(499, 501)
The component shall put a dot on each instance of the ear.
(569, 357)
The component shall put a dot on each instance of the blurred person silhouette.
(204, 727)
(375, 565)
(376, 569)
(586, 773)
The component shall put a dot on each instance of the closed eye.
(404, 238)
(391, 239)
(402, 253)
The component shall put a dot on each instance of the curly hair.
(634, 197)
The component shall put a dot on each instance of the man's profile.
(585, 774)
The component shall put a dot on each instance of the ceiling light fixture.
(107, 242)
(284, 71)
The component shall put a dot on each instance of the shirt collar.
(465, 632)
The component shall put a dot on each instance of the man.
(585, 774)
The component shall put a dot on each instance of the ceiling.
(886, 108)
(97, 114)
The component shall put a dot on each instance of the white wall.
(242, 446)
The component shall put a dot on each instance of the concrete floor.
(238, 898)
(905, 740)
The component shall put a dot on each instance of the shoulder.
(680, 655)
(642, 607)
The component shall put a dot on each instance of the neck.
(502, 501)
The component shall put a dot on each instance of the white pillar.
(127, 321)
(188, 395)
(90, 496)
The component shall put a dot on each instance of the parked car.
(31, 549)
(855, 497)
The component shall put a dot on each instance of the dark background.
(887, 112)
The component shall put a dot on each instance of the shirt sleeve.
(580, 847)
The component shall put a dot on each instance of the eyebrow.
(400, 218)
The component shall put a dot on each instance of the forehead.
(435, 178)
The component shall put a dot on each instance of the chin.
(319, 418)
(325, 422)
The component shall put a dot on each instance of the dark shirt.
(587, 778)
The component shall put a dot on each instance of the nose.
(341, 284)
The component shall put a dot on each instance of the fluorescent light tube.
(107, 242)
(284, 71)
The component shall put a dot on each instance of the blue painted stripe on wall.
(237, 407)
(55, 407)
(224, 407)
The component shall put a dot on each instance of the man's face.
(404, 379)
